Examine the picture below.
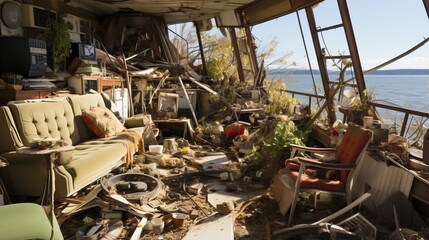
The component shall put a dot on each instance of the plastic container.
(179, 219)
(157, 225)
(157, 149)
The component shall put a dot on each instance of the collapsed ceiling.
(173, 11)
(248, 12)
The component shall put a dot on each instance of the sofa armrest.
(137, 121)
(10, 136)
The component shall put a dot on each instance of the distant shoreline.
(378, 72)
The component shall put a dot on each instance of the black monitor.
(84, 52)
(24, 56)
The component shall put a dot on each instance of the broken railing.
(404, 126)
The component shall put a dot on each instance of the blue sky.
(383, 30)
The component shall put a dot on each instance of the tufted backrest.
(80, 103)
(353, 143)
(45, 119)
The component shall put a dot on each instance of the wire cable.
(308, 59)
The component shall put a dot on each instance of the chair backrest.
(354, 142)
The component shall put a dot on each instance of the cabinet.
(82, 84)
(7, 95)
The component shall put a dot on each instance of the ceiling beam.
(265, 10)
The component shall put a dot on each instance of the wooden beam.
(426, 3)
(237, 57)
(354, 53)
(252, 50)
(322, 65)
(200, 45)
(265, 10)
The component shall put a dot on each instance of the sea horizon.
(407, 91)
(402, 71)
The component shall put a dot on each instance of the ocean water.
(408, 91)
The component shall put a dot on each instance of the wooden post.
(252, 49)
(351, 41)
(426, 3)
(200, 44)
(236, 54)
(322, 65)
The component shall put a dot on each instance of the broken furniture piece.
(348, 155)
(175, 127)
(132, 186)
(354, 226)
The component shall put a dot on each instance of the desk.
(177, 127)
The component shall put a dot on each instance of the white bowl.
(156, 149)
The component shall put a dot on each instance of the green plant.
(281, 102)
(277, 147)
(57, 35)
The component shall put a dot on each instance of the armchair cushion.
(27, 221)
(319, 183)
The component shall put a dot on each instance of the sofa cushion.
(45, 119)
(102, 122)
(93, 159)
(80, 103)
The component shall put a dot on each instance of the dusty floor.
(256, 217)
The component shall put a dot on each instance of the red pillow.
(102, 122)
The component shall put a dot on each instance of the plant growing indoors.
(57, 36)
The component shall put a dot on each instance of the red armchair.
(303, 171)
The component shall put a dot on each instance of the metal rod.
(338, 57)
(189, 101)
(330, 27)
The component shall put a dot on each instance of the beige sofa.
(91, 159)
